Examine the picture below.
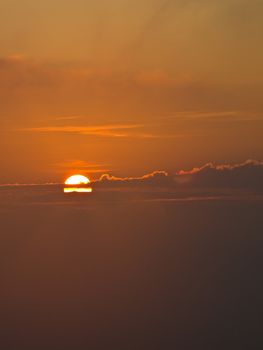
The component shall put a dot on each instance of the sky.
(128, 87)
(159, 104)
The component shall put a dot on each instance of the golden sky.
(128, 86)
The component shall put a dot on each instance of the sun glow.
(77, 190)
(77, 180)
(77, 184)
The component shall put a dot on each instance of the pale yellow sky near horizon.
(129, 86)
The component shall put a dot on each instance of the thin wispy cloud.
(73, 117)
(216, 116)
(206, 114)
(76, 165)
(108, 130)
(114, 130)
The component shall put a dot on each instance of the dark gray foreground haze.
(121, 270)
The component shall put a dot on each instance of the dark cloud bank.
(208, 182)
(245, 175)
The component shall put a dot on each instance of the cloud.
(245, 175)
(238, 182)
(217, 116)
(63, 91)
(204, 114)
(155, 179)
(19, 72)
(76, 166)
(108, 130)
(114, 130)
(68, 117)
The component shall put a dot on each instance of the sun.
(77, 180)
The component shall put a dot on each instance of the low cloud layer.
(154, 179)
(247, 175)
(210, 182)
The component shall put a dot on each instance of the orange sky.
(127, 86)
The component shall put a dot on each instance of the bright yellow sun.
(77, 180)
